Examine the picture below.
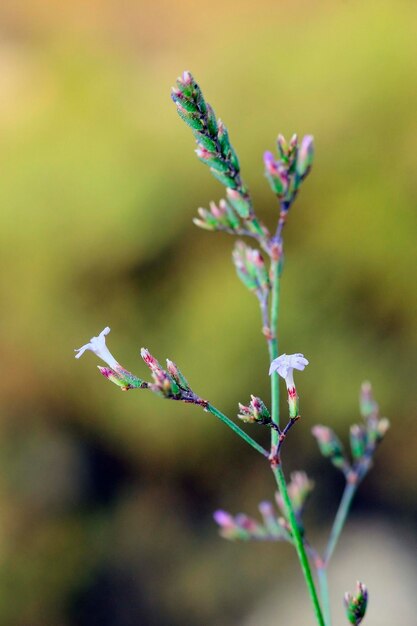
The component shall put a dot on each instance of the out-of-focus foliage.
(106, 498)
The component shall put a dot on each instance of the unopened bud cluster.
(251, 269)
(213, 144)
(170, 382)
(355, 604)
(364, 438)
(255, 413)
(299, 489)
(331, 447)
(215, 150)
(286, 172)
(243, 527)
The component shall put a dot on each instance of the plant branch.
(324, 594)
(298, 542)
(273, 346)
(340, 519)
(275, 435)
(212, 409)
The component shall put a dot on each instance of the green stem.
(298, 542)
(277, 469)
(340, 519)
(212, 409)
(273, 348)
(324, 594)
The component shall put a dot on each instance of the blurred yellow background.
(107, 498)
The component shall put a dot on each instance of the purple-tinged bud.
(284, 525)
(217, 211)
(282, 146)
(276, 174)
(259, 409)
(256, 258)
(224, 519)
(244, 269)
(293, 143)
(246, 414)
(368, 407)
(247, 523)
(266, 509)
(177, 375)
(229, 528)
(382, 428)
(211, 120)
(270, 520)
(271, 164)
(244, 409)
(205, 154)
(181, 100)
(187, 78)
(193, 121)
(355, 605)
(202, 224)
(331, 447)
(208, 218)
(239, 202)
(163, 381)
(114, 377)
(123, 378)
(305, 156)
(299, 489)
(223, 137)
(232, 218)
(150, 360)
(358, 441)
(255, 412)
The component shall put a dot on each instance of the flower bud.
(299, 489)
(177, 375)
(305, 156)
(164, 383)
(239, 202)
(330, 446)
(367, 404)
(282, 147)
(355, 605)
(276, 174)
(255, 412)
(382, 428)
(358, 441)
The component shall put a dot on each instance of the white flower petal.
(285, 364)
(98, 346)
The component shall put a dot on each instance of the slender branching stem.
(277, 468)
(324, 594)
(340, 519)
(273, 346)
(298, 542)
(212, 409)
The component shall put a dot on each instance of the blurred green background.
(107, 498)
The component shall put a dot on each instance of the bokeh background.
(107, 498)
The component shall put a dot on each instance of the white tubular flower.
(98, 346)
(285, 364)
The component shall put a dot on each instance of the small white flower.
(286, 364)
(98, 346)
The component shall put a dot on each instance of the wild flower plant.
(260, 269)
